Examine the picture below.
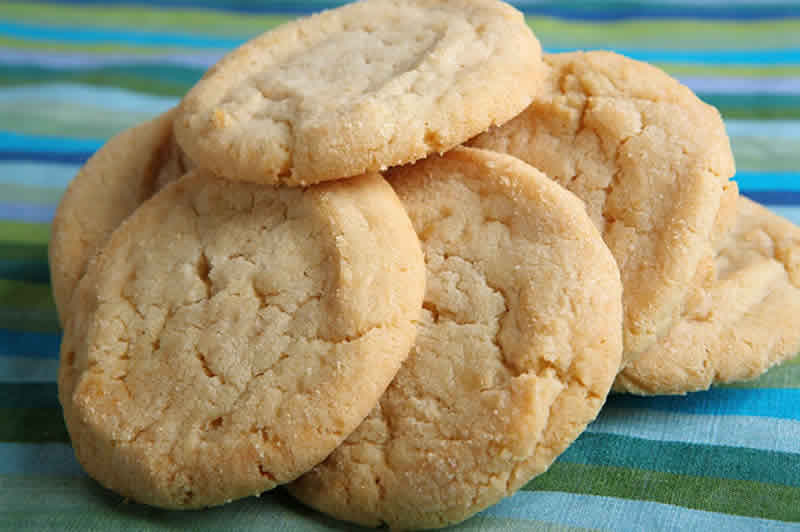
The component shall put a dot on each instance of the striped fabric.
(73, 73)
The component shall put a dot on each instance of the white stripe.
(623, 515)
(768, 434)
(24, 369)
(790, 213)
(763, 128)
(33, 174)
(728, 85)
(108, 97)
(11, 56)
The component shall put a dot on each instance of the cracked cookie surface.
(751, 323)
(126, 171)
(649, 159)
(363, 87)
(519, 343)
(229, 336)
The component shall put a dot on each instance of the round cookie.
(751, 323)
(360, 88)
(229, 336)
(127, 170)
(519, 343)
(649, 159)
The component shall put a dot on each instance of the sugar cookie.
(751, 323)
(117, 179)
(649, 159)
(363, 87)
(520, 341)
(229, 336)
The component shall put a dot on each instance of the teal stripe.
(685, 458)
(32, 195)
(164, 80)
(31, 459)
(25, 369)
(623, 515)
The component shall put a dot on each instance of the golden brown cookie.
(519, 343)
(649, 159)
(363, 87)
(229, 336)
(751, 323)
(127, 170)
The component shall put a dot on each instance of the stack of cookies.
(392, 256)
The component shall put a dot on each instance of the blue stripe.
(21, 212)
(761, 402)
(29, 344)
(38, 459)
(623, 515)
(20, 142)
(773, 197)
(24, 270)
(757, 181)
(767, 434)
(87, 34)
(761, 58)
(45, 157)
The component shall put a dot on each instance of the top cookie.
(649, 159)
(363, 87)
(126, 171)
(751, 322)
(519, 343)
(229, 335)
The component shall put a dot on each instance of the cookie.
(751, 323)
(649, 159)
(113, 182)
(360, 88)
(229, 336)
(519, 343)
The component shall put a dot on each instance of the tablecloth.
(73, 73)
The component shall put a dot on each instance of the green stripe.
(32, 425)
(208, 22)
(689, 459)
(23, 251)
(14, 193)
(738, 497)
(156, 80)
(786, 375)
(24, 233)
(27, 306)
(755, 106)
(28, 395)
(41, 117)
(672, 34)
(766, 154)
(32, 320)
